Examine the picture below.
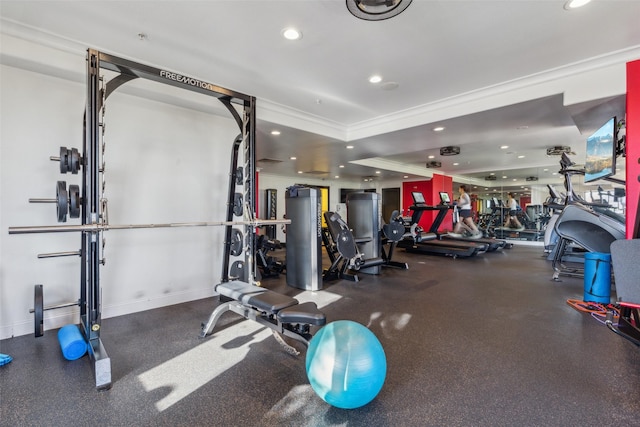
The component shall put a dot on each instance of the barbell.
(97, 227)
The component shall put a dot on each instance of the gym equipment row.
(283, 314)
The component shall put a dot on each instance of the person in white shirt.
(466, 217)
(511, 220)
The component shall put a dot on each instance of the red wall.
(633, 146)
(430, 189)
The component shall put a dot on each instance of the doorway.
(390, 202)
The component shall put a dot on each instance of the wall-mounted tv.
(600, 161)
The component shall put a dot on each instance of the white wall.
(163, 164)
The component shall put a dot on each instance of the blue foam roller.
(72, 343)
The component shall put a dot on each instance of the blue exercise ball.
(346, 364)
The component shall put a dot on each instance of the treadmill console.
(418, 198)
(444, 198)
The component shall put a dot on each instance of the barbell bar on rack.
(96, 227)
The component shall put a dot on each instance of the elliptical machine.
(580, 223)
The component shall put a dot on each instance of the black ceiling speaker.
(434, 164)
(558, 150)
(532, 178)
(490, 178)
(376, 10)
(449, 151)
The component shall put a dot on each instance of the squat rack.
(94, 218)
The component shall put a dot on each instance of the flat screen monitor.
(600, 159)
(418, 197)
(444, 198)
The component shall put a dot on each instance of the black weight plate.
(239, 176)
(74, 201)
(237, 204)
(237, 271)
(64, 160)
(62, 201)
(38, 310)
(236, 242)
(74, 161)
(393, 231)
(346, 245)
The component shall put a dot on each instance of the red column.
(633, 148)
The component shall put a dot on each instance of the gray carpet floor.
(484, 341)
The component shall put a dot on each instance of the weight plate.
(393, 231)
(38, 310)
(239, 176)
(74, 201)
(236, 242)
(237, 204)
(64, 154)
(74, 161)
(237, 271)
(346, 245)
(62, 201)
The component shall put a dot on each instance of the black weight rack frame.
(90, 295)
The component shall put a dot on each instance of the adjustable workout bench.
(281, 313)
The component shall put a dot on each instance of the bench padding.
(303, 313)
(287, 309)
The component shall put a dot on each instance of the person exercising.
(512, 214)
(466, 217)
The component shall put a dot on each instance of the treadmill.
(493, 244)
(429, 242)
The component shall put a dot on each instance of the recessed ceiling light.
(275, 132)
(504, 176)
(406, 176)
(492, 173)
(504, 147)
(514, 179)
(377, 171)
(341, 166)
(545, 170)
(337, 176)
(574, 4)
(291, 34)
(375, 79)
(521, 156)
(349, 147)
(456, 164)
(299, 171)
(432, 156)
(292, 158)
(486, 188)
(438, 129)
